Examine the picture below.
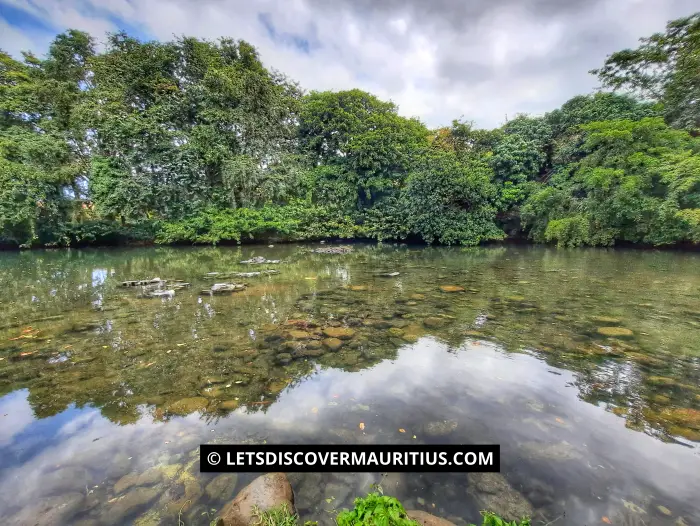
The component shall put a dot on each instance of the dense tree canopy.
(197, 141)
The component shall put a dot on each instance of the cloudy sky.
(437, 59)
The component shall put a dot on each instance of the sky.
(438, 60)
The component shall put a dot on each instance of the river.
(584, 365)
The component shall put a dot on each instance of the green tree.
(664, 68)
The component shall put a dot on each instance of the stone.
(615, 332)
(299, 335)
(292, 347)
(50, 511)
(389, 274)
(434, 322)
(424, 518)
(440, 428)
(333, 250)
(493, 492)
(314, 344)
(129, 503)
(266, 492)
(396, 332)
(452, 288)
(148, 478)
(222, 486)
(682, 416)
(556, 451)
(284, 358)
(228, 405)
(358, 288)
(225, 288)
(342, 333)
(259, 260)
(333, 344)
(417, 297)
(185, 406)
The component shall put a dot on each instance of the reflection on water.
(583, 365)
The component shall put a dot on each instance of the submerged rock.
(224, 288)
(333, 250)
(147, 478)
(333, 344)
(255, 274)
(493, 492)
(682, 416)
(452, 288)
(128, 504)
(615, 332)
(269, 491)
(160, 294)
(259, 260)
(389, 274)
(556, 451)
(284, 358)
(341, 333)
(228, 405)
(434, 322)
(185, 406)
(222, 486)
(440, 428)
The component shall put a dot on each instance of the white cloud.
(482, 59)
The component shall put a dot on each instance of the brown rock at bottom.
(451, 288)
(266, 492)
(424, 518)
(339, 332)
(334, 344)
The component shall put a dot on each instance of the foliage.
(624, 187)
(294, 222)
(491, 519)
(451, 202)
(665, 68)
(375, 510)
(195, 141)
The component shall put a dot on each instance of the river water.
(584, 365)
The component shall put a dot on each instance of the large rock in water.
(423, 518)
(269, 491)
(493, 492)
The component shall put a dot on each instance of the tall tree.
(665, 68)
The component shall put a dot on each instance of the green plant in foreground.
(491, 519)
(375, 510)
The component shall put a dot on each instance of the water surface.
(584, 365)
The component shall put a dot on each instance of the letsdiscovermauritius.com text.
(345, 458)
(217, 457)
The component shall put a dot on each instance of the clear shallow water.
(99, 383)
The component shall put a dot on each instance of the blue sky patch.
(302, 43)
(23, 20)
